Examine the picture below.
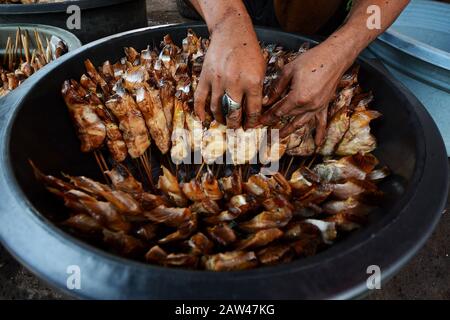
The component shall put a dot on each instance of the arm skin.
(233, 65)
(314, 76)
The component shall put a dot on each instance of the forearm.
(219, 13)
(356, 34)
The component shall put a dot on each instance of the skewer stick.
(200, 170)
(219, 167)
(39, 42)
(20, 46)
(147, 169)
(312, 161)
(48, 51)
(100, 164)
(26, 47)
(16, 46)
(247, 171)
(11, 53)
(105, 165)
(172, 169)
(141, 174)
(5, 58)
(289, 166)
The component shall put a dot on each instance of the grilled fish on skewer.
(222, 234)
(180, 141)
(131, 123)
(169, 185)
(195, 127)
(167, 93)
(356, 167)
(250, 139)
(96, 77)
(260, 239)
(123, 180)
(301, 142)
(231, 261)
(214, 143)
(338, 127)
(275, 254)
(114, 139)
(200, 244)
(183, 232)
(210, 186)
(84, 223)
(358, 137)
(126, 245)
(171, 217)
(267, 220)
(232, 185)
(206, 207)
(328, 229)
(149, 103)
(91, 130)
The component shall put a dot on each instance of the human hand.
(233, 65)
(313, 78)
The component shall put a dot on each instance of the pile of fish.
(212, 216)
(20, 62)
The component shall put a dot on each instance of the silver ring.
(229, 105)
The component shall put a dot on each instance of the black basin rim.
(330, 254)
(43, 8)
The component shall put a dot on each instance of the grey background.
(427, 276)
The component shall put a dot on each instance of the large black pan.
(35, 124)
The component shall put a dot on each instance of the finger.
(234, 117)
(269, 118)
(253, 106)
(200, 97)
(299, 110)
(321, 126)
(282, 108)
(277, 89)
(216, 103)
(287, 106)
(295, 124)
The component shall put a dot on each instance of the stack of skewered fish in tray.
(209, 215)
(20, 61)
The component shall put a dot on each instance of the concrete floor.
(425, 277)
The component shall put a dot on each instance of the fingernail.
(265, 100)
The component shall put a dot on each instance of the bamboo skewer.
(200, 171)
(101, 164)
(289, 166)
(312, 161)
(16, 47)
(26, 47)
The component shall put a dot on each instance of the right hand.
(233, 65)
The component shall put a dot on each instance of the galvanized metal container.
(416, 49)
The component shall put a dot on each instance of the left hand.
(313, 78)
